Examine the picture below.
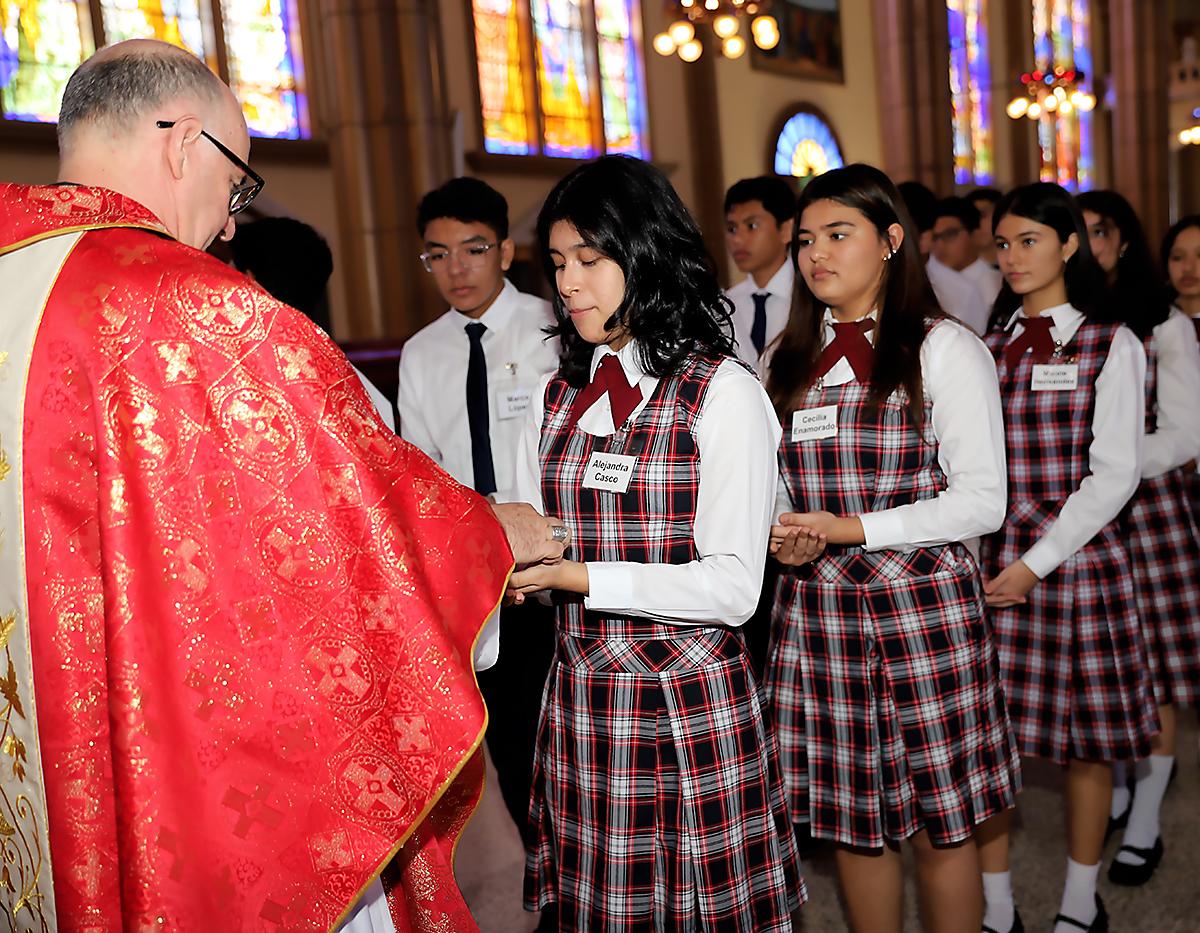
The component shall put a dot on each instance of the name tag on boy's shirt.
(611, 472)
(1055, 377)
(513, 403)
(814, 424)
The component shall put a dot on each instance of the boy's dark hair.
(921, 204)
(991, 195)
(290, 260)
(467, 200)
(1049, 204)
(775, 195)
(960, 208)
(907, 304)
(627, 211)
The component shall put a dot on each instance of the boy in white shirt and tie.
(466, 382)
(955, 226)
(759, 214)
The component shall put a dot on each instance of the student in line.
(1160, 530)
(1059, 579)
(882, 676)
(658, 801)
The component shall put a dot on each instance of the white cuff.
(610, 587)
(1041, 559)
(883, 530)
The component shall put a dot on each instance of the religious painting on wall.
(810, 40)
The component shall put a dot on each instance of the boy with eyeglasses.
(955, 225)
(466, 382)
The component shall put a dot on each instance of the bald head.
(122, 86)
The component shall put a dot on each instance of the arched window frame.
(780, 124)
(537, 161)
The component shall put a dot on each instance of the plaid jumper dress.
(1164, 546)
(658, 801)
(1072, 658)
(882, 675)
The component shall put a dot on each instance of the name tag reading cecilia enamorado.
(813, 424)
(609, 471)
(1055, 377)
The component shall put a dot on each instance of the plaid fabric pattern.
(658, 801)
(1164, 545)
(1072, 658)
(882, 676)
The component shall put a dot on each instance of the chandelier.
(1056, 91)
(726, 18)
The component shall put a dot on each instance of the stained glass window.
(45, 40)
(1062, 42)
(970, 79)
(43, 43)
(806, 147)
(561, 77)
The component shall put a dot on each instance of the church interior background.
(360, 106)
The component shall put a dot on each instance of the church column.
(389, 135)
(912, 47)
(1141, 128)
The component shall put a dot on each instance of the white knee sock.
(998, 900)
(1121, 795)
(1079, 895)
(1153, 776)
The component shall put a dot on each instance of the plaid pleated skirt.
(1164, 547)
(885, 697)
(658, 802)
(1072, 658)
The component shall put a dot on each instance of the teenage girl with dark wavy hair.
(658, 802)
(1060, 583)
(882, 676)
(1160, 530)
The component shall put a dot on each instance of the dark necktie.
(609, 379)
(758, 331)
(477, 412)
(1037, 335)
(1196, 324)
(851, 344)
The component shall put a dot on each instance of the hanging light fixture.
(1057, 91)
(726, 18)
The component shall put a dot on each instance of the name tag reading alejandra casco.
(814, 424)
(609, 471)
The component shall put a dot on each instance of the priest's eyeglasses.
(472, 256)
(245, 190)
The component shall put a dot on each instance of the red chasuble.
(238, 613)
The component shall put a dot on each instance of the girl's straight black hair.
(907, 304)
(1052, 206)
(1137, 290)
(673, 306)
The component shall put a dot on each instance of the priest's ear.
(508, 250)
(180, 136)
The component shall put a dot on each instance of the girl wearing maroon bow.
(881, 675)
(1060, 583)
(657, 800)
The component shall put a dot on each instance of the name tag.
(1055, 377)
(609, 471)
(512, 403)
(813, 424)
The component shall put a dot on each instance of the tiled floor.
(490, 863)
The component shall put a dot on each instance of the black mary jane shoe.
(1017, 926)
(1131, 876)
(1098, 925)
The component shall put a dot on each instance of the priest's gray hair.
(115, 91)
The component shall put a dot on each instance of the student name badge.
(609, 471)
(814, 424)
(1055, 377)
(513, 403)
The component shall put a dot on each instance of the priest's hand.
(534, 539)
(794, 545)
(1011, 586)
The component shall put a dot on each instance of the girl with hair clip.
(882, 676)
(658, 801)
(1060, 584)
(1160, 530)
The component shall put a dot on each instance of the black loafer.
(1134, 875)
(1017, 926)
(1099, 925)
